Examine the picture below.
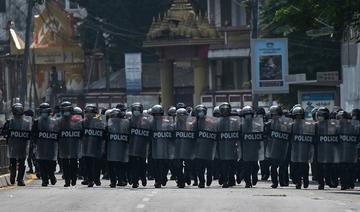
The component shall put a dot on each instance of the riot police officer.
(69, 143)
(325, 146)
(139, 144)
(206, 145)
(265, 163)
(162, 137)
(302, 147)
(185, 143)
(45, 136)
(348, 138)
(117, 147)
(92, 145)
(277, 147)
(17, 133)
(228, 142)
(252, 145)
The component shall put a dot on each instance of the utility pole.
(26, 53)
(254, 35)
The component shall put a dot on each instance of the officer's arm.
(5, 130)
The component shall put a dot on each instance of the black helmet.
(78, 111)
(17, 109)
(137, 107)
(45, 108)
(189, 109)
(323, 112)
(116, 113)
(342, 115)
(225, 109)
(239, 112)
(181, 112)
(121, 106)
(247, 110)
(66, 106)
(298, 111)
(29, 113)
(276, 111)
(172, 111)
(216, 112)
(261, 111)
(180, 105)
(157, 110)
(355, 114)
(91, 109)
(200, 108)
(313, 113)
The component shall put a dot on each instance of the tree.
(314, 29)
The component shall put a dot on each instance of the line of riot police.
(227, 146)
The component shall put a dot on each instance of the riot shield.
(19, 138)
(47, 136)
(140, 136)
(328, 142)
(252, 133)
(229, 138)
(92, 142)
(70, 137)
(302, 141)
(118, 140)
(278, 139)
(349, 140)
(162, 138)
(206, 138)
(185, 138)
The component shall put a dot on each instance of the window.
(2, 6)
(73, 5)
(232, 74)
(226, 17)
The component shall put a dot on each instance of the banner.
(311, 100)
(269, 60)
(133, 70)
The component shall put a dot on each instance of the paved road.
(261, 198)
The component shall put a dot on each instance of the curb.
(5, 180)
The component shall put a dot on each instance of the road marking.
(140, 206)
(146, 199)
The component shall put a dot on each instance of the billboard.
(133, 70)
(269, 64)
(311, 100)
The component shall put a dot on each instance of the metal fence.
(4, 161)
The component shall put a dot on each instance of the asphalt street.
(260, 198)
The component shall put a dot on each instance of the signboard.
(133, 70)
(269, 64)
(332, 76)
(311, 100)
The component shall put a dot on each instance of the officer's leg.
(296, 168)
(112, 173)
(142, 171)
(44, 178)
(321, 175)
(240, 171)
(305, 174)
(200, 172)
(90, 170)
(98, 166)
(209, 172)
(157, 172)
(66, 169)
(164, 171)
(232, 173)
(12, 169)
(265, 169)
(21, 172)
(314, 171)
(284, 173)
(274, 173)
(52, 169)
(122, 174)
(247, 173)
(178, 168)
(254, 172)
(74, 171)
(187, 171)
(226, 172)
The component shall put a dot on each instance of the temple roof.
(180, 25)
